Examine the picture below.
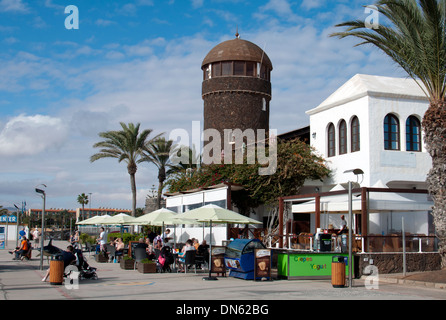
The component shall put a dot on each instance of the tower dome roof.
(237, 50)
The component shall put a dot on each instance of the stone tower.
(236, 87)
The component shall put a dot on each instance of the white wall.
(377, 163)
(188, 232)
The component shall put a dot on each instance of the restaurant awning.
(377, 202)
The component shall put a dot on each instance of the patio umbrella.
(160, 218)
(215, 214)
(120, 219)
(94, 220)
(155, 218)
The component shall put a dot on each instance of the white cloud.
(30, 135)
(197, 3)
(13, 6)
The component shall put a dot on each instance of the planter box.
(100, 258)
(146, 267)
(127, 264)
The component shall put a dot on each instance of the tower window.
(413, 134)
(226, 68)
(391, 133)
(331, 140)
(216, 69)
(343, 137)
(239, 68)
(250, 69)
(355, 137)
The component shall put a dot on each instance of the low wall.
(393, 262)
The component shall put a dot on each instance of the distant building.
(88, 213)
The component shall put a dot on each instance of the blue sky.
(139, 61)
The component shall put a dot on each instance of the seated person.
(158, 244)
(119, 245)
(141, 244)
(22, 250)
(188, 247)
(150, 251)
(202, 251)
(203, 247)
(196, 244)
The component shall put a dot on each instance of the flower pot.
(146, 267)
(100, 258)
(127, 264)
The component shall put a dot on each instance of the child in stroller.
(85, 271)
(165, 259)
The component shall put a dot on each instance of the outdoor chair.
(111, 251)
(89, 248)
(189, 260)
(140, 254)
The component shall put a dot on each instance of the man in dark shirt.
(151, 235)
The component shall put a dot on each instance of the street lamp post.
(17, 227)
(43, 195)
(350, 226)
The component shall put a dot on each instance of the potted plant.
(127, 263)
(146, 266)
(101, 257)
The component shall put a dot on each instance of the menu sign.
(262, 264)
(218, 260)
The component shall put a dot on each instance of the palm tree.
(125, 145)
(83, 200)
(3, 210)
(158, 152)
(416, 41)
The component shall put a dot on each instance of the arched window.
(343, 137)
(356, 141)
(331, 140)
(413, 134)
(391, 133)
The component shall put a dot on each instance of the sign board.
(12, 219)
(218, 260)
(262, 263)
(2, 238)
(132, 245)
(307, 265)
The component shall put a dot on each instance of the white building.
(372, 123)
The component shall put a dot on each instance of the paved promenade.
(22, 280)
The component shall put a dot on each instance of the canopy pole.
(210, 277)
(281, 205)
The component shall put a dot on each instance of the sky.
(140, 61)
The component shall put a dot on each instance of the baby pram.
(85, 271)
(164, 260)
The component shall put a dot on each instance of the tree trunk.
(160, 191)
(131, 168)
(434, 125)
(161, 179)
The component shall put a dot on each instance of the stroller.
(85, 271)
(164, 260)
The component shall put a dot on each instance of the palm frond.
(414, 39)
